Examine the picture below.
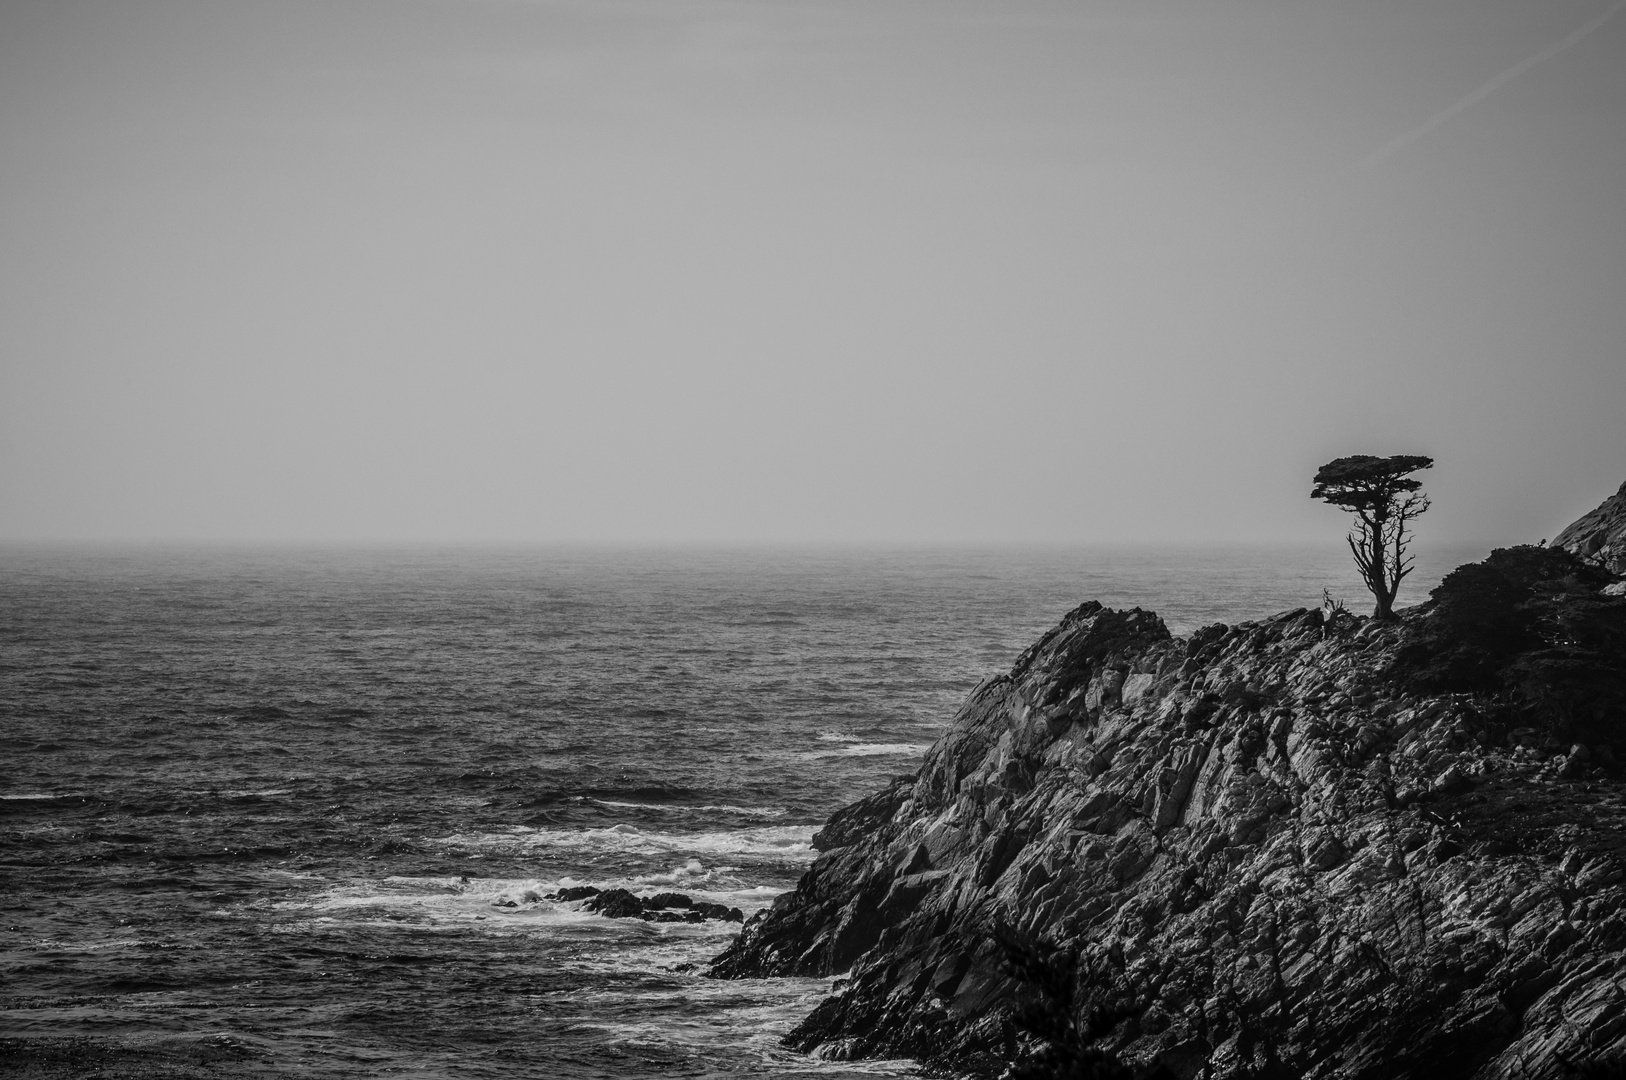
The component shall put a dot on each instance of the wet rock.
(615, 904)
(718, 911)
(572, 894)
(623, 904)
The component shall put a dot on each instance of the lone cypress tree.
(1384, 500)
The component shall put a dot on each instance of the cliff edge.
(1301, 847)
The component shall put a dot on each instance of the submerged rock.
(666, 900)
(1290, 848)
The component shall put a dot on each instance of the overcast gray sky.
(874, 271)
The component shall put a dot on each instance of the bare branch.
(1362, 560)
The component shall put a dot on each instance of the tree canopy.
(1364, 482)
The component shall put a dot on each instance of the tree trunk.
(1378, 577)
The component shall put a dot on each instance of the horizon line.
(697, 543)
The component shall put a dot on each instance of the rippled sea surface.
(291, 812)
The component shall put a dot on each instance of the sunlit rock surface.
(1281, 849)
(1600, 536)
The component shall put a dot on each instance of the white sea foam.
(871, 750)
(520, 905)
(755, 811)
(791, 842)
(749, 1015)
(61, 945)
(691, 869)
(424, 891)
(437, 899)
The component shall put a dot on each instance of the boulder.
(615, 904)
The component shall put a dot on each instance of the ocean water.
(292, 812)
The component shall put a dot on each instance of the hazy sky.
(879, 270)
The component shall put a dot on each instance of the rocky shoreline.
(1310, 846)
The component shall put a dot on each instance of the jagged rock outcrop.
(1281, 849)
(1600, 536)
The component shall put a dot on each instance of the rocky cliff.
(1600, 536)
(1293, 848)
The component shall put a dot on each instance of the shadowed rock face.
(1281, 849)
(1601, 535)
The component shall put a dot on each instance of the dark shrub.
(1531, 627)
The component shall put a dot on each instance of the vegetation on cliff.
(1530, 633)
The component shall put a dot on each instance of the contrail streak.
(1394, 146)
